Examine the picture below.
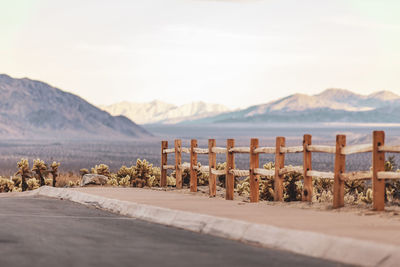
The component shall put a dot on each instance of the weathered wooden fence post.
(340, 167)
(378, 165)
(230, 165)
(307, 166)
(254, 179)
(178, 163)
(279, 164)
(193, 165)
(164, 159)
(212, 163)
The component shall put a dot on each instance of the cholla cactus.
(126, 181)
(243, 188)
(354, 186)
(324, 196)
(202, 177)
(185, 175)
(54, 171)
(112, 182)
(16, 189)
(266, 185)
(171, 181)
(32, 184)
(124, 171)
(293, 186)
(102, 169)
(17, 181)
(6, 185)
(221, 178)
(143, 172)
(40, 168)
(24, 172)
(392, 192)
(367, 197)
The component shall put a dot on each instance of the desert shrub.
(112, 182)
(155, 178)
(202, 177)
(48, 181)
(266, 185)
(392, 192)
(101, 169)
(125, 171)
(32, 184)
(126, 181)
(17, 181)
(72, 183)
(140, 175)
(354, 186)
(292, 184)
(143, 171)
(171, 181)
(64, 178)
(322, 190)
(6, 185)
(24, 172)
(221, 178)
(54, 172)
(40, 168)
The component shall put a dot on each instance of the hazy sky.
(233, 52)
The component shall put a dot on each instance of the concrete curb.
(345, 250)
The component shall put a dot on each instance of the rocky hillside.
(33, 109)
(164, 113)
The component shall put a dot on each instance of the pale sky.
(234, 52)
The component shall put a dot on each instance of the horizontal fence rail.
(351, 176)
(266, 150)
(293, 149)
(356, 149)
(218, 150)
(378, 175)
(321, 149)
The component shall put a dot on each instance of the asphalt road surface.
(49, 232)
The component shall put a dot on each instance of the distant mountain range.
(332, 105)
(164, 113)
(33, 109)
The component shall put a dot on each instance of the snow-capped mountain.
(164, 113)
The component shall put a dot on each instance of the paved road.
(48, 232)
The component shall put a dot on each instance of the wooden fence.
(378, 174)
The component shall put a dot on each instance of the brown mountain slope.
(33, 109)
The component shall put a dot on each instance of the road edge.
(340, 249)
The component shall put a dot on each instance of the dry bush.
(64, 179)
